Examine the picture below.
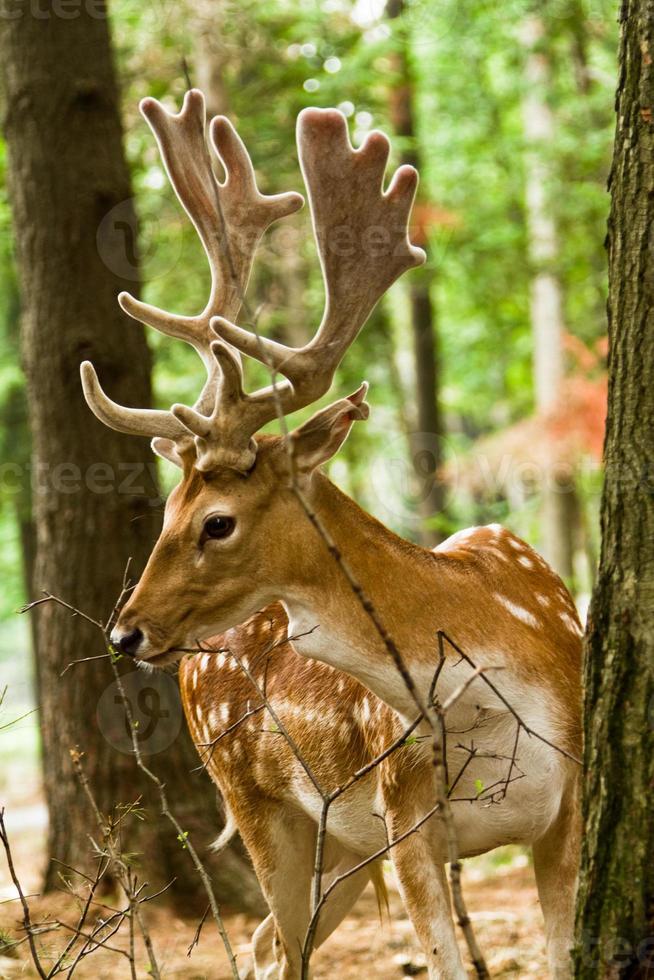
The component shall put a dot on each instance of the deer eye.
(217, 527)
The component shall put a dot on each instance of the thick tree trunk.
(616, 896)
(425, 444)
(96, 497)
(546, 305)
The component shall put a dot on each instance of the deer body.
(339, 727)
(254, 521)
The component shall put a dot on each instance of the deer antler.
(362, 237)
(230, 218)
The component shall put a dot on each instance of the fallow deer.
(236, 535)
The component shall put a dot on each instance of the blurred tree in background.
(96, 500)
(452, 349)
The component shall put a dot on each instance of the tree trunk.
(96, 498)
(616, 897)
(425, 444)
(546, 305)
(210, 57)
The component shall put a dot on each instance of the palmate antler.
(362, 237)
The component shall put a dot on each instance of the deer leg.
(336, 908)
(556, 863)
(263, 950)
(342, 898)
(420, 869)
(282, 846)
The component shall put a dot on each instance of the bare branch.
(27, 921)
(196, 937)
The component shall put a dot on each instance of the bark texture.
(616, 897)
(95, 493)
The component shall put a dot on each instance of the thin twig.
(103, 864)
(124, 875)
(507, 704)
(181, 834)
(196, 937)
(27, 921)
(48, 597)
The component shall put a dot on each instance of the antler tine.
(363, 243)
(224, 437)
(132, 421)
(230, 218)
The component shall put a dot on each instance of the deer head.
(223, 551)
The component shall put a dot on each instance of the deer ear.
(181, 452)
(324, 433)
(167, 449)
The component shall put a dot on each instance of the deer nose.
(128, 643)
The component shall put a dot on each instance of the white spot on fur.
(524, 560)
(518, 611)
(543, 601)
(221, 660)
(495, 551)
(571, 623)
(516, 545)
(456, 539)
(199, 713)
(224, 712)
(204, 663)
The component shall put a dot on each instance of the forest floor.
(501, 898)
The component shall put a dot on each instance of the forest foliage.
(467, 61)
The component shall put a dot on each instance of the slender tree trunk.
(616, 895)
(210, 58)
(425, 443)
(546, 306)
(95, 496)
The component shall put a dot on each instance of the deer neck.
(326, 617)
